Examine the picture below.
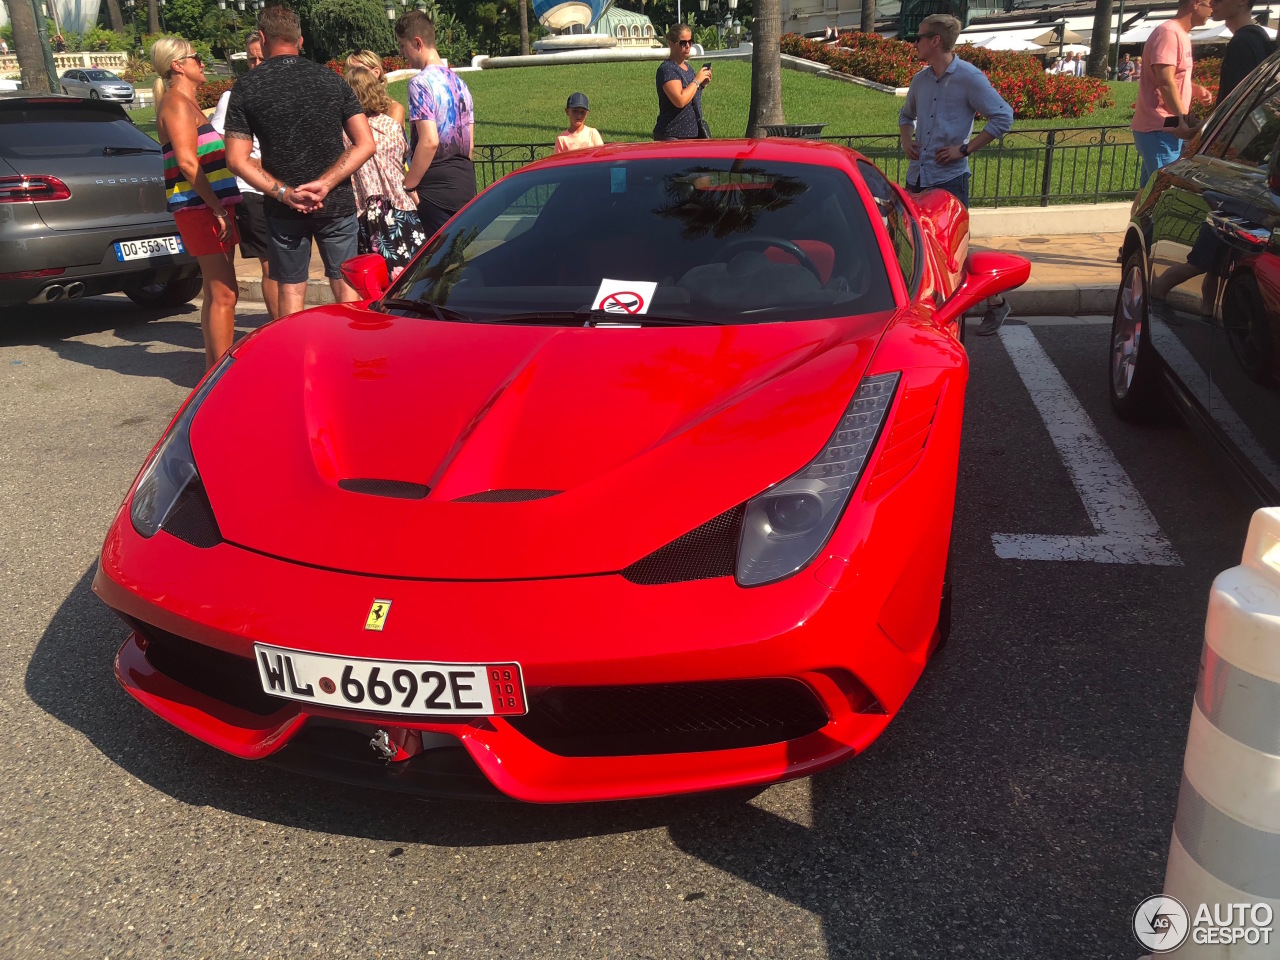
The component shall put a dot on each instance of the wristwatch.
(281, 190)
(964, 149)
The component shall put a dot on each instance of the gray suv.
(82, 206)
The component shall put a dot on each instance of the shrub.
(1207, 73)
(1018, 77)
(209, 93)
(99, 39)
(340, 26)
(339, 66)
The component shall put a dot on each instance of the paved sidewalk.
(1071, 275)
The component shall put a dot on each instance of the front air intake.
(660, 718)
(708, 551)
(192, 517)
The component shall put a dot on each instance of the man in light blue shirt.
(936, 124)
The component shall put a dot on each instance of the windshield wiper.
(123, 151)
(427, 306)
(594, 318)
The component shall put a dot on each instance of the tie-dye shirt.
(439, 95)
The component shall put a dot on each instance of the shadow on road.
(137, 330)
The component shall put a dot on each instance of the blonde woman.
(387, 214)
(373, 63)
(199, 187)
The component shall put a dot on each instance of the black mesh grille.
(191, 518)
(669, 717)
(400, 489)
(710, 550)
(506, 496)
(223, 676)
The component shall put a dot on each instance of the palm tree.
(1098, 64)
(153, 17)
(766, 68)
(524, 28)
(26, 44)
(114, 20)
(868, 23)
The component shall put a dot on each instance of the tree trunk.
(26, 44)
(153, 16)
(524, 28)
(114, 20)
(868, 24)
(1099, 62)
(766, 67)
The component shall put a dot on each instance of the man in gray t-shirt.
(299, 111)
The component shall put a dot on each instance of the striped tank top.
(211, 153)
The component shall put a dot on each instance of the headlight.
(786, 526)
(173, 467)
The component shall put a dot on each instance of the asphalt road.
(1019, 806)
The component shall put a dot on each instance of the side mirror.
(368, 274)
(986, 273)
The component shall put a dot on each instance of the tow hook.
(383, 746)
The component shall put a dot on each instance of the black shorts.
(252, 224)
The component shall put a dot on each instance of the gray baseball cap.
(577, 100)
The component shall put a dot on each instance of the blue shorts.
(958, 187)
(1157, 149)
(289, 246)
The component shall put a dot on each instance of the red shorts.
(199, 229)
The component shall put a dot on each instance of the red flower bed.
(209, 93)
(1018, 77)
(388, 64)
(1207, 73)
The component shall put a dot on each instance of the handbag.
(704, 131)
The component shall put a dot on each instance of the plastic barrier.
(1224, 861)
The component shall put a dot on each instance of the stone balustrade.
(107, 59)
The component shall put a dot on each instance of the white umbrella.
(998, 42)
(976, 39)
(1139, 34)
(1079, 48)
(1218, 33)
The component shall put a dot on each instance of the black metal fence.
(1026, 168)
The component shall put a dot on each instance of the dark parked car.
(1197, 318)
(82, 206)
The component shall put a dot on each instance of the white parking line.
(1126, 531)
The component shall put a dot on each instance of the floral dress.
(388, 217)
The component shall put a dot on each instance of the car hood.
(605, 443)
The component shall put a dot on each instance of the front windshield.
(724, 240)
(102, 75)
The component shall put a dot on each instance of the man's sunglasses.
(925, 36)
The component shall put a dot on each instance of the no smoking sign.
(624, 297)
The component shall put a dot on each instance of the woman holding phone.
(680, 90)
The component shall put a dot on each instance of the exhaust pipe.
(75, 290)
(51, 293)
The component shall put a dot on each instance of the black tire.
(172, 293)
(1131, 361)
(1248, 327)
(93, 94)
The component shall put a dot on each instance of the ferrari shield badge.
(377, 618)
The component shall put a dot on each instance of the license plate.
(409, 687)
(146, 249)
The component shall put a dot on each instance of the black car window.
(1225, 118)
(68, 130)
(1256, 132)
(894, 216)
(725, 240)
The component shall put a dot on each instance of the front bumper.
(570, 633)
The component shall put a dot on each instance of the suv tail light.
(22, 189)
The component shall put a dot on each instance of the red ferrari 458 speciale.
(639, 480)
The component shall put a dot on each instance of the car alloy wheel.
(1132, 379)
(93, 94)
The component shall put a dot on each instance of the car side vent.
(710, 550)
(506, 496)
(400, 489)
(192, 518)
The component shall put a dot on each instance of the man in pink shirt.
(1165, 91)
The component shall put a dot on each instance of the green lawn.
(525, 106)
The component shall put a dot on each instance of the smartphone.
(707, 65)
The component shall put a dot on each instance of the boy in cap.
(579, 136)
